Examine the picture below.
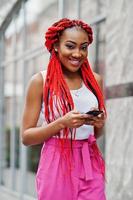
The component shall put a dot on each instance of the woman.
(71, 166)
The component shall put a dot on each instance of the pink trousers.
(76, 174)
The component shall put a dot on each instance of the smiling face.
(73, 48)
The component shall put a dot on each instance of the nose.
(77, 54)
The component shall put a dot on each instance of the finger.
(86, 116)
(101, 116)
(78, 124)
(98, 122)
(81, 121)
(77, 121)
(75, 112)
(90, 123)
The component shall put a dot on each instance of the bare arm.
(31, 134)
(99, 131)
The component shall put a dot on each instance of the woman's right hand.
(73, 119)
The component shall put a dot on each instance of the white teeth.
(75, 62)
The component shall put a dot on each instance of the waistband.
(91, 154)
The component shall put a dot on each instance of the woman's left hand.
(96, 121)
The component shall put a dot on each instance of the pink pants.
(79, 176)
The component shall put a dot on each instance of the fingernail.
(99, 115)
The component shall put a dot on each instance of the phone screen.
(94, 112)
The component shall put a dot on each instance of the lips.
(75, 62)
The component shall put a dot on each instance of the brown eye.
(84, 48)
(69, 46)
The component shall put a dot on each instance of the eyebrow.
(76, 43)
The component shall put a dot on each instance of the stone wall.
(119, 69)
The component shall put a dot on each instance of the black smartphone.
(94, 112)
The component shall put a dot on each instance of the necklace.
(77, 92)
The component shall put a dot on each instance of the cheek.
(85, 54)
(62, 58)
(63, 51)
(63, 54)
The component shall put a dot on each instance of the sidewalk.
(4, 196)
(9, 195)
(6, 192)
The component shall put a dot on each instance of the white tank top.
(83, 100)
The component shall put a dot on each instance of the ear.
(56, 47)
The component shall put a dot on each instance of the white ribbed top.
(83, 100)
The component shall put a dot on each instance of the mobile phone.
(94, 112)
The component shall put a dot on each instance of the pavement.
(4, 196)
(9, 195)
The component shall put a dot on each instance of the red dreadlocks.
(56, 92)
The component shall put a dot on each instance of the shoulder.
(97, 76)
(35, 85)
(99, 79)
(43, 74)
(36, 80)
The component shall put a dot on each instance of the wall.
(119, 133)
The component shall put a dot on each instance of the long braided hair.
(56, 91)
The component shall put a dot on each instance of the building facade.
(23, 54)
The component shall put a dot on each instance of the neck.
(71, 75)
